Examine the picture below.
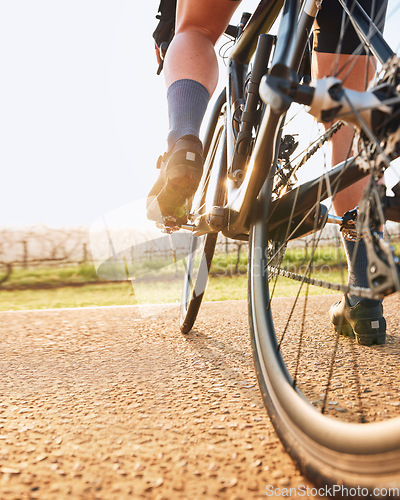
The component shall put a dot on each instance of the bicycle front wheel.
(333, 401)
(317, 414)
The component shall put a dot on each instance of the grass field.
(64, 287)
(52, 276)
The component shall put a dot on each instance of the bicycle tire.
(317, 460)
(201, 249)
(332, 445)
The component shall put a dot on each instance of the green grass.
(144, 292)
(45, 286)
(227, 265)
(223, 265)
(47, 276)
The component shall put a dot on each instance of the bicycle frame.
(289, 49)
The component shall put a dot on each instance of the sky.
(82, 113)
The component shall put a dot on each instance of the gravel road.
(115, 403)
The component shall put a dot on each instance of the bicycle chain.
(347, 289)
(288, 274)
(360, 292)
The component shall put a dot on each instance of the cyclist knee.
(200, 32)
(208, 18)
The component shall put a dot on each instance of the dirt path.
(116, 403)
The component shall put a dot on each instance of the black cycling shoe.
(364, 320)
(181, 169)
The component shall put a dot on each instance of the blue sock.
(358, 269)
(187, 104)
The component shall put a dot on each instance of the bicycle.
(249, 191)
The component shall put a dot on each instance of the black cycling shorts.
(328, 24)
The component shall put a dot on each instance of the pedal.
(168, 225)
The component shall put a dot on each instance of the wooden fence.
(59, 247)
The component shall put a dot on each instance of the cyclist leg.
(362, 70)
(191, 75)
(356, 73)
(191, 54)
(191, 66)
(341, 146)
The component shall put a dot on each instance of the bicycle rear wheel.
(333, 402)
(201, 249)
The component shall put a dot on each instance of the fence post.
(25, 254)
(173, 253)
(84, 260)
(7, 273)
(238, 258)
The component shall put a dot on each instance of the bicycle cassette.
(376, 156)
